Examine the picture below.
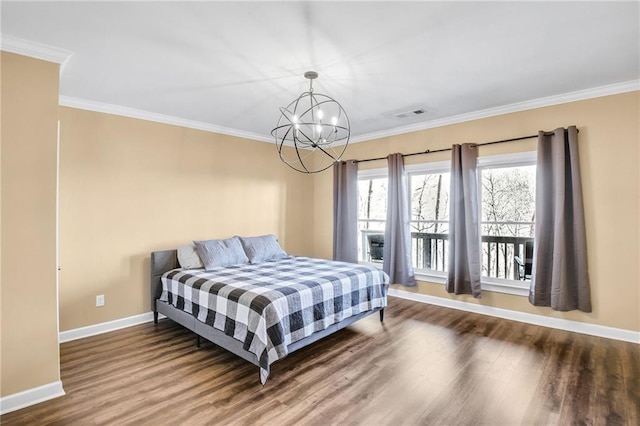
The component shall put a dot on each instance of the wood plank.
(424, 365)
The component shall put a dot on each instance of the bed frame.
(166, 260)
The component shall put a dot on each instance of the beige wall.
(128, 187)
(609, 155)
(29, 136)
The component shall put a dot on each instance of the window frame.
(367, 174)
(518, 159)
(421, 169)
(525, 158)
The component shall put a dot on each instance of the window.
(507, 192)
(429, 197)
(507, 201)
(372, 214)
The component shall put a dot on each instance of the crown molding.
(158, 118)
(596, 92)
(35, 50)
(612, 89)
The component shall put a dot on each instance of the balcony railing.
(504, 257)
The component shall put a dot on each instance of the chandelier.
(312, 132)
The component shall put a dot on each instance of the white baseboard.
(29, 397)
(559, 323)
(105, 327)
(53, 390)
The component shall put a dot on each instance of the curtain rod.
(428, 151)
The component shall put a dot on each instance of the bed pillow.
(217, 253)
(188, 258)
(262, 248)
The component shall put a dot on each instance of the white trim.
(366, 174)
(498, 285)
(579, 95)
(495, 285)
(429, 168)
(105, 327)
(558, 323)
(430, 276)
(516, 159)
(35, 50)
(30, 397)
(71, 102)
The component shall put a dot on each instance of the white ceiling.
(232, 64)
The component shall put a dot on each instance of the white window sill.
(424, 275)
(516, 288)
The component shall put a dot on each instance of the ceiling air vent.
(410, 114)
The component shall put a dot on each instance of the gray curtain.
(345, 211)
(396, 254)
(559, 278)
(464, 264)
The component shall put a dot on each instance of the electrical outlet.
(100, 300)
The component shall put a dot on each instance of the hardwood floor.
(424, 365)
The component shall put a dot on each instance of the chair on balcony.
(376, 246)
(523, 267)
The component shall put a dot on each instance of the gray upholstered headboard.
(161, 262)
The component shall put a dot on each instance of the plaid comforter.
(270, 305)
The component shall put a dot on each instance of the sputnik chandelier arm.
(312, 132)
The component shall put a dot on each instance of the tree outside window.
(429, 220)
(508, 217)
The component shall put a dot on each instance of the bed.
(262, 312)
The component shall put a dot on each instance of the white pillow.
(262, 248)
(217, 253)
(188, 258)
